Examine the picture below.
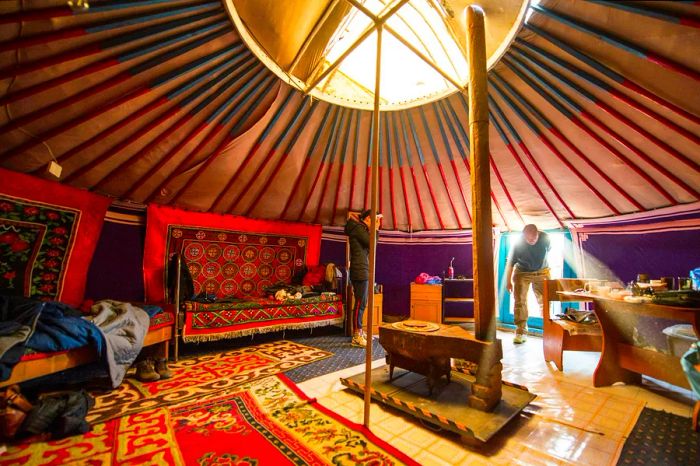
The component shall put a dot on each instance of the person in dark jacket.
(357, 229)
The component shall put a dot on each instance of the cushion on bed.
(160, 320)
(315, 275)
(259, 303)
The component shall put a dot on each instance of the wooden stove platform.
(447, 407)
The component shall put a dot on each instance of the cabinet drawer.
(429, 292)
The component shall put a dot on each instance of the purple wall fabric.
(398, 264)
(116, 271)
(332, 251)
(659, 254)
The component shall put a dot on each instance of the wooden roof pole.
(374, 201)
(482, 237)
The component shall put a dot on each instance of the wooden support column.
(482, 233)
(176, 300)
(374, 203)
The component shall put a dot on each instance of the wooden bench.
(559, 335)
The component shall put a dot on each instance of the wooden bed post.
(482, 234)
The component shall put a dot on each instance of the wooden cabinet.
(376, 314)
(457, 300)
(430, 302)
(426, 302)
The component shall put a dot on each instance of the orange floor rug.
(195, 377)
(266, 421)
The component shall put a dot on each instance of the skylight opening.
(423, 46)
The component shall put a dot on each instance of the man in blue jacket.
(357, 229)
(527, 265)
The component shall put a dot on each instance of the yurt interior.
(265, 232)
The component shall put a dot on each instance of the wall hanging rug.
(202, 375)
(267, 421)
(658, 438)
(226, 255)
(48, 234)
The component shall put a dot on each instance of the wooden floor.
(570, 422)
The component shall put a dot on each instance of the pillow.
(314, 276)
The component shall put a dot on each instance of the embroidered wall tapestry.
(226, 255)
(48, 233)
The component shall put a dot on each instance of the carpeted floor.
(344, 355)
(661, 438)
(329, 339)
(263, 421)
(200, 375)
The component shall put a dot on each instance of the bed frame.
(55, 362)
(180, 312)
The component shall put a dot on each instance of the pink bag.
(422, 278)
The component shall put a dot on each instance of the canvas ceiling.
(594, 113)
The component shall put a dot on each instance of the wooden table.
(633, 342)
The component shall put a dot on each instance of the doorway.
(560, 263)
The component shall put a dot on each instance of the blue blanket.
(115, 329)
(43, 327)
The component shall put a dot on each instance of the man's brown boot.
(145, 371)
(162, 368)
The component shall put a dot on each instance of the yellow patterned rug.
(266, 421)
(202, 375)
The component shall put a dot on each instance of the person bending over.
(527, 265)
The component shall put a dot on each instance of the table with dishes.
(640, 336)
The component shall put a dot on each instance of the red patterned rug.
(267, 421)
(203, 375)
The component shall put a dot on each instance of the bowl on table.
(655, 285)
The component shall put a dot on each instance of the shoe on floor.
(519, 339)
(145, 371)
(161, 367)
(358, 340)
